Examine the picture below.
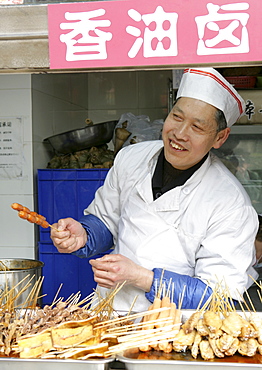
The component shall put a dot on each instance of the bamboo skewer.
(5, 268)
(120, 320)
(54, 228)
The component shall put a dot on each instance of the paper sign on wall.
(11, 148)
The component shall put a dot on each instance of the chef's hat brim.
(210, 86)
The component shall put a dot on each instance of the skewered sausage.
(18, 207)
(31, 216)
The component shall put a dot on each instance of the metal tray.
(155, 360)
(12, 363)
(184, 361)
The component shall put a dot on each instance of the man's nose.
(181, 131)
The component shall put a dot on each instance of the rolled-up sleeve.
(99, 237)
(189, 291)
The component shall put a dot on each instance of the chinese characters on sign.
(237, 17)
(88, 46)
(167, 32)
(11, 146)
(159, 17)
(251, 110)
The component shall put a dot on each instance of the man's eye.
(197, 127)
(176, 117)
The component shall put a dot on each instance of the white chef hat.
(208, 85)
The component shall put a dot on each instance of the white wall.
(16, 235)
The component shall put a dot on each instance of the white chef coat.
(205, 228)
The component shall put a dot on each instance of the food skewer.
(3, 266)
(33, 217)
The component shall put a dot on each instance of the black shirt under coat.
(166, 177)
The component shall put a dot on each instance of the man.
(172, 210)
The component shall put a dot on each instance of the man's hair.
(221, 120)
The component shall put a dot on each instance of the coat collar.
(180, 177)
(171, 199)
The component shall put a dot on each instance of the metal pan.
(177, 362)
(56, 364)
(19, 271)
(158, 360)
(83, 138)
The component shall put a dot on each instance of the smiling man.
(190, 131)
(170, 209)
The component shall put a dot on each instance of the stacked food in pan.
(216, 330)
(77, 328)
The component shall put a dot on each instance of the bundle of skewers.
(13, 320)
(65, 329)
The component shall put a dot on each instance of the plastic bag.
(132, 129)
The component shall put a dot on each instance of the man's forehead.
(202, 115)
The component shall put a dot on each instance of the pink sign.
(101, 34)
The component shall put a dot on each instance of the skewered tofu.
(213, 321)
(256, 321)
(206, 350)
(232, 324)
(224, 342)
(248, 347)
(202, 328)
(233, 348)
(191, 323)
(35, 345)
(182, 340)
(195, 346)
(216, 350)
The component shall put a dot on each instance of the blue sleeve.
(192, 288)
(99, 237)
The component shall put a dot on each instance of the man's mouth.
(176, 146)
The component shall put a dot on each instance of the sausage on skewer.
(33, 217)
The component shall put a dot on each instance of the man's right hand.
(69, 236)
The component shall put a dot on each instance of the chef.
(170, 210)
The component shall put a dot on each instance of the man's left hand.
(113, 269)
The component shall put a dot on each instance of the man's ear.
(221, 138)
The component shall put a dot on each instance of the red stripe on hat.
(211, 75)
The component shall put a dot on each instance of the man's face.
(190, 131)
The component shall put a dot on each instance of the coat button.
(186, 190)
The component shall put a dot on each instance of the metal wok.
(83, 138)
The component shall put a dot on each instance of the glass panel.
(242, 154)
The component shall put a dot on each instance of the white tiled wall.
(114, 93)
(17, 236)
(63, 102)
